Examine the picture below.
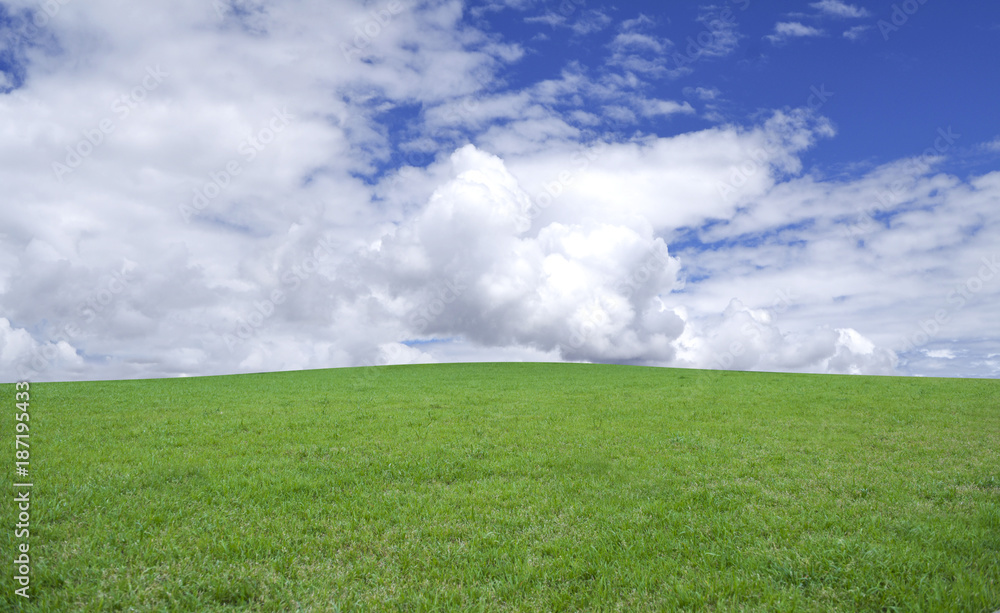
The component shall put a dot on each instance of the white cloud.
(645, 54)
(993, 145)
(637, 48)
(719, 38)
(937, 272)
(653, 108)
(196, 280)
(583, 23)
(474, 264)
(703, 93)
(837, 8)
(639, 23)
(22, 356)
(548, 238)
(591, 21)
(550, 19)
(748, 339)
(856, 32)
(786, 30)
(641, 42)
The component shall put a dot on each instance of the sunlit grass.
(521, 487)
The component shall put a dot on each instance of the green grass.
(513, 487)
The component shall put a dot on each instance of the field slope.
(513, 487)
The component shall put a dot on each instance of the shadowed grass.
(514, 487)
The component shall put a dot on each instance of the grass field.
(513, 487)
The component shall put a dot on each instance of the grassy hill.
(513, 487)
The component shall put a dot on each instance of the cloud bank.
(348, 185)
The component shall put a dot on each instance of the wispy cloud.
(638, 50)
(786, 30)
(568, 229)
(703, 93)
(837, 8)
(587, 22)
(856, 33)
(722, 38)
(654, 108)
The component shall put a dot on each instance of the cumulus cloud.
(898, 216)
(495, 257)
(22, 356)
(749, 339)
(335, 189)
(473, 264)
(482, 263)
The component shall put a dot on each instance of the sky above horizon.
(195, 188)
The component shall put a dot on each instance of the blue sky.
(892, 86)
(201, 188)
